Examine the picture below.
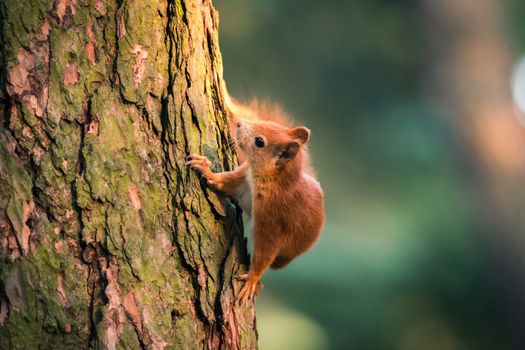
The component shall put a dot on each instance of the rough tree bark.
(106, 239)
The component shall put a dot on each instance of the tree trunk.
(107, 240)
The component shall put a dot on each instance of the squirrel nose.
(238, 124)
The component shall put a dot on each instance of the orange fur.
(275, 185)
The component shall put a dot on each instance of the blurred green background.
(408, 258)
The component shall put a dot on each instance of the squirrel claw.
(258, 288)
(250, 289)
(197, 162)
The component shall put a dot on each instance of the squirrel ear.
(288, 152)
(301, 133)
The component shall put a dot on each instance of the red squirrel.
(274, 185)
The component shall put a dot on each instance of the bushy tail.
(254, 110)
(235, 110)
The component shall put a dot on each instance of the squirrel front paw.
(202, 165)
(251, 288)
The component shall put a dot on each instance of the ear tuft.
(301, 134)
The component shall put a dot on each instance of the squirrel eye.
(259, 142)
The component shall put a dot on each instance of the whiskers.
(230, 149)
(232, 143)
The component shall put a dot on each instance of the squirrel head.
(271, 148)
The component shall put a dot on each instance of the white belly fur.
(243, 195)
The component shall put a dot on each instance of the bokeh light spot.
(518, 87)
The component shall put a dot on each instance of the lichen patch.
(25, 60)
(71, 75)
(27, 79)
(130, 305)
(59, 247)
(100, 8)
(121, 30)
(35, 105)
(157, 343)
(133, 193)
(13, 245)
(62, 6)
(139, 68)
(18, 80)
(92, 127)
(44, 30)
(18, 215)
(114, 316)
(14, 289)
(90, 46)
(90, 53)
(38, 153)
(61, 291)
(4, 311)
